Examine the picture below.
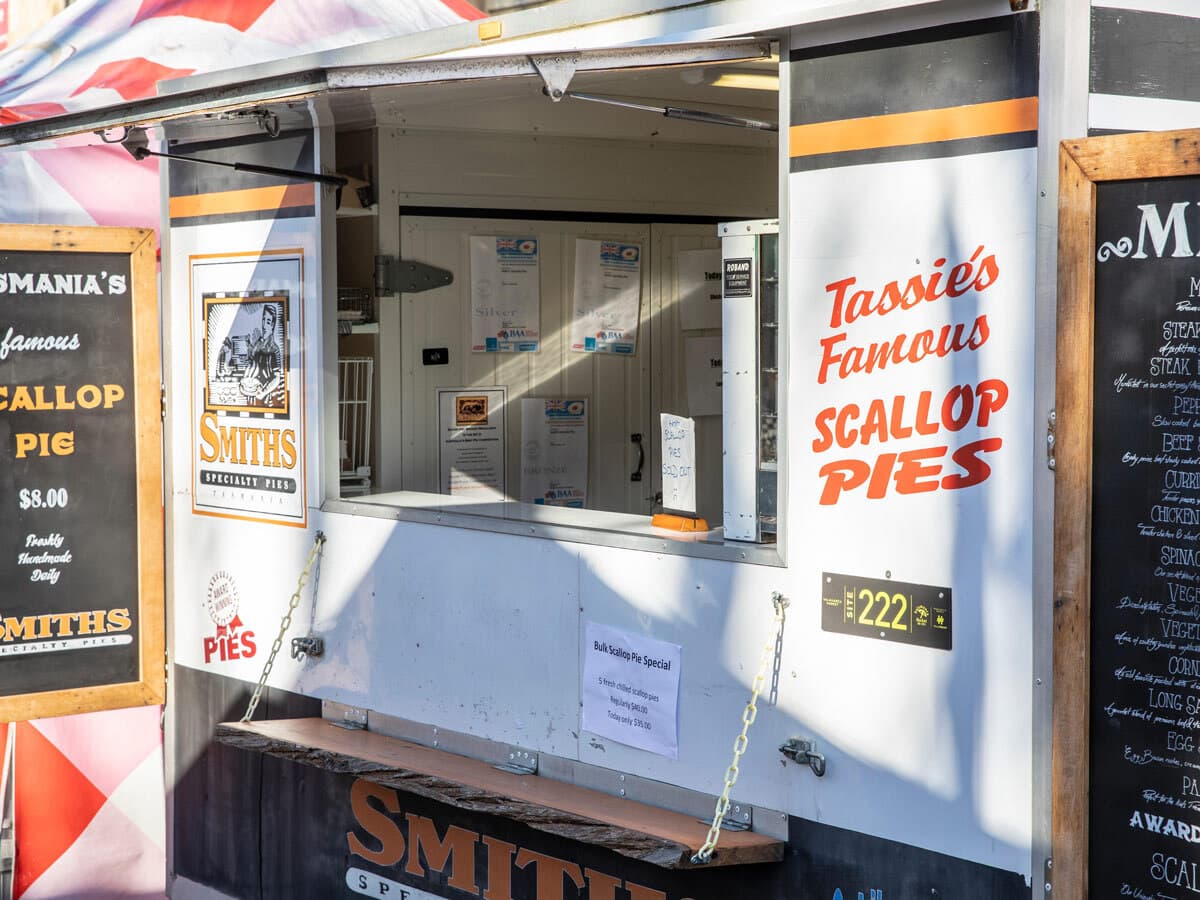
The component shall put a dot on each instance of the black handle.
(637, 473)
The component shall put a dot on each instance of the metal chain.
(318, 543)
(749, 714)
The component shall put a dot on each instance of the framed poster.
(506, 304)
(247, 416)
(1126, 751)
(81, 570)
(471, 442)
(606, 297)
(554, 452)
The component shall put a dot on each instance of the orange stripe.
(249, 200)
(922, 127)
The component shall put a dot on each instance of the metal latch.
(307, 646)
(1051, 438)
(803, 750)
(520, 762)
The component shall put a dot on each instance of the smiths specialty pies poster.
(248, 387)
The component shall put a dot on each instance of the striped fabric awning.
(106, 768)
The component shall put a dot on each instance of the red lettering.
(915, 471)
(959, 396)
(897, 427)
(922, 424)
(846, 437)
(210, 647)
(839, 297)
(902, 348)
(911, 471)
(885, 420)
(824, 439)
(975, 469)
(828, 356)
(844, 475)
(979, 274)
(992, 394)
(876, 423)
(880, 476)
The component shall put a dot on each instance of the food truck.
(666, 450)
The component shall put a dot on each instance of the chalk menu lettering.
(70, 566)
(1145, 663)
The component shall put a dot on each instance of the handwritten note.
(678, 463)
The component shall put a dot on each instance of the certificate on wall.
(607, 297)
(702, 362)
(505, 295)
(471, 442)
(699, 288)
(554, 452)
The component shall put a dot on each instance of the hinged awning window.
(250, 92)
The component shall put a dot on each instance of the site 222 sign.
(81, 558)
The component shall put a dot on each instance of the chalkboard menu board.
(1145, 623)
(81, 570)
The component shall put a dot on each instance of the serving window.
(538, 343)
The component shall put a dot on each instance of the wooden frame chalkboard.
(1107, 536)
(81, 508)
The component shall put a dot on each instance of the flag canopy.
(96, 54)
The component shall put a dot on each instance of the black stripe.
(952, 65)
(1102, 132)
(939, 150)
(257, 215)
(561, 215)
(1144, 54)
(291, 150)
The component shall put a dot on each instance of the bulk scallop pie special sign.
(81, 568)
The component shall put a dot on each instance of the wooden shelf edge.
(649, 834)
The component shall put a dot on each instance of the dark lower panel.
(262, 828)
(217, 791)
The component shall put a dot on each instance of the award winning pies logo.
(470, 411)
(232, 640)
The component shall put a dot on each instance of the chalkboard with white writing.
(80, 519)
(1144, 829)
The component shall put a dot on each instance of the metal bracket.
(395, 276)
(739, 817)
(556, 72)
(1051, 438)
(803, 750)
(520, 762)
(353, 718)
(307, 646)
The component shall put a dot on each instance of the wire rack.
(356, 376)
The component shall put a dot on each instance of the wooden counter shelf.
(646, 833)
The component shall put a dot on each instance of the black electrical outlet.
(435, 356)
